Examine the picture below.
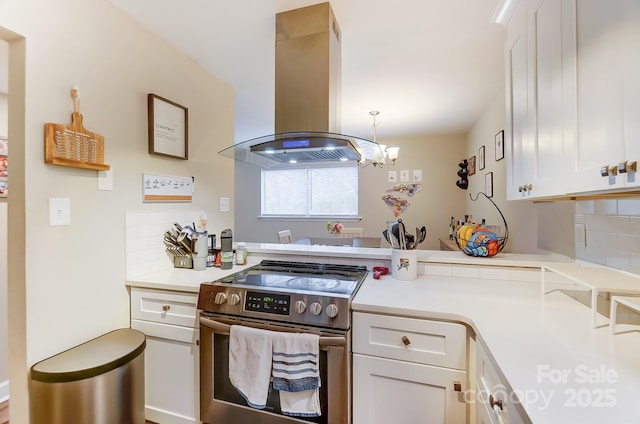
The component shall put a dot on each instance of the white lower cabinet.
(169, 320)
(408, 370)
(496, 403)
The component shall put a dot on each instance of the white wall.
(66, 284)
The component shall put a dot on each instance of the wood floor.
(4, 413)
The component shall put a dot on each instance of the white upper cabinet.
(603, 47)
(572, 97)
(533, 58)
(518, 149)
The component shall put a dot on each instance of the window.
(310, 192)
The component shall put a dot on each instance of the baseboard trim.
(4, 391)
(166, 417)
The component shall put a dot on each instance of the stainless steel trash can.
(98, 382)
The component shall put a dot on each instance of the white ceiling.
(428, 66)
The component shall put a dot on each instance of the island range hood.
(307, 98)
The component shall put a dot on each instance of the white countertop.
(189, 280)
(533, 339)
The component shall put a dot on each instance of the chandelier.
(382, 152)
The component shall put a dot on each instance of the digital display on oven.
(267, 302)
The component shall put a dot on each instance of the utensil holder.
(404, 264)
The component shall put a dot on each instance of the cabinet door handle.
(165, 308)
(495, 402)
(627, 166)
(406, 340)
(607, 170)
(457, 386)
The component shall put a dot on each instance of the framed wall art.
(164, 188)
(471, 165)
(499, 141)
(168, 128)
(488, 184)
(481, 158)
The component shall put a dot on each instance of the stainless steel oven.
(278, 296)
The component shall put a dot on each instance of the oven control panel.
(267, 302)
(297, 308)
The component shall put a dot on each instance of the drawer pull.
(493, 402)
(457, 386)
(165, 308)
(406, 340)
(627, 166)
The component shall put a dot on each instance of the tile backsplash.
(607, 232)
(145, 251)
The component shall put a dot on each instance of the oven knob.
(221, 297)
(301, 306)
(234, 299)
(316, 308)
(332, 310)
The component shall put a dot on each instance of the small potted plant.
(334, 228)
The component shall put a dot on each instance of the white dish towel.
(296, 374)
(250, 363)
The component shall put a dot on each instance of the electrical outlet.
(59, 212)
(224, 204)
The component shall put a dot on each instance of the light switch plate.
(224, 204)
(59, 212)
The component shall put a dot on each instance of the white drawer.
(166, 307)
(166, 331)
(429, 342)
(490, 383)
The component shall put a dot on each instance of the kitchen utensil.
(402, 235)
(395, 236)
(379, 271)
(385, 234)
(422, 235)
(73, 145)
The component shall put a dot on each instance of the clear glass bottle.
(241, 253)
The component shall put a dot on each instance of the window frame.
(308, 216)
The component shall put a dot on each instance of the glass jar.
(241, 254)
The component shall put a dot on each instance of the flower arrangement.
(334, 228)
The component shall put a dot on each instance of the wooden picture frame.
(471, 165)
(168, 124)
(488, 184)
(499, 142)
(481, 158)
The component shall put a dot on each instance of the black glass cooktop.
(299, 277)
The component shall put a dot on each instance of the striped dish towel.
(296, 374)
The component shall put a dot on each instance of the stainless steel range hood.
(307, 97)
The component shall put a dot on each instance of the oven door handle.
(224, 329)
